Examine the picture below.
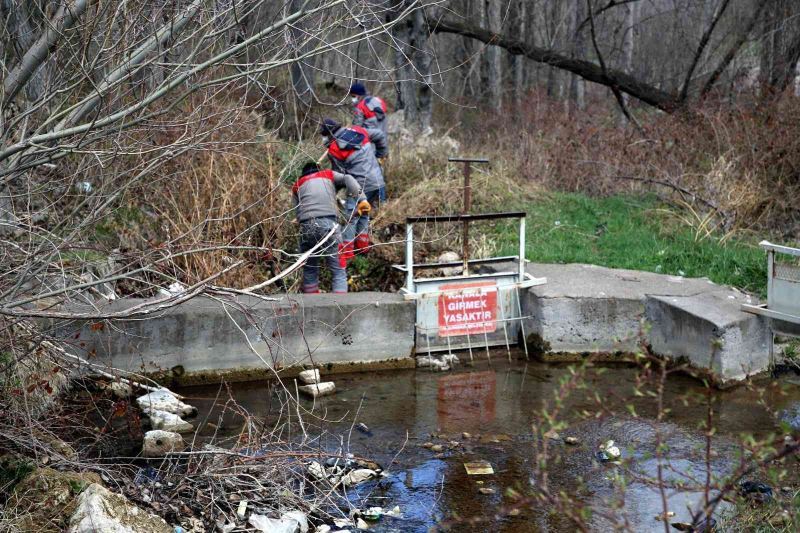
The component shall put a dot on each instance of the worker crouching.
(314, 196)
(351, 152)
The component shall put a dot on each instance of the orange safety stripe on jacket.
(322, 174)
(366, 111)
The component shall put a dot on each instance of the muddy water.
(497, 404)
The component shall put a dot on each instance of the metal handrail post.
(410, 257)
(522, 249)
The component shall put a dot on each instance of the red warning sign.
(467, 308)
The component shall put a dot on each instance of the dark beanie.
(358, 89)
(309, 168)
(329, 127)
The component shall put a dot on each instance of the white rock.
(121, 390)
(450, 257)
(319, 389)
(324, 528)
(99, 509)
(358, 476)
(361, 524)
(158, 443)
(168, 421)
(164, 400)
(309, 376)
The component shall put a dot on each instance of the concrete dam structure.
(581, 310)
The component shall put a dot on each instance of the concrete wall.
(582, 309)
(207, 337)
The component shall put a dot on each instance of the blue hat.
(358, 89)
(329, 127)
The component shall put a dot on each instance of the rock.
(428, 445)
(361, 524)
(486, 490)
(552, 435)
(309, 377)
(450, 257)
(358, 476)
(436, 448)
(164, 400)
(158, 443)
(99, 509)
(121, 390)
(663, 517)
(319, 389)
(45, 499)
(466, 435)
(572, 441)
(363, 428)
(241, 510)
(168, 421)
(324, 528)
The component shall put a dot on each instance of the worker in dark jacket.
(351, 152)
(314, 197)
(369, 112)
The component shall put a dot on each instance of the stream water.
(496, 404)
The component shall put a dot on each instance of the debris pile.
(344, 472)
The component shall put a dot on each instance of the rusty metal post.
(467, 206)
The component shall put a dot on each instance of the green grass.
(632, 233)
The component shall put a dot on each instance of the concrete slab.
(586, 309)
(711, 332)
(205, 338)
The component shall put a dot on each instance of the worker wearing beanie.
(314, 197)
(369, 112)
(351, 152)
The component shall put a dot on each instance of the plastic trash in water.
(608, 452)
(362, 427)
(478, 468)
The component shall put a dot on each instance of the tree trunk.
(519, 61)
(413, 70)
(577, 87)
(494, 58)
(628, 44)
(780, 49)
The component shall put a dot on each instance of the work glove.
(363, 208)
